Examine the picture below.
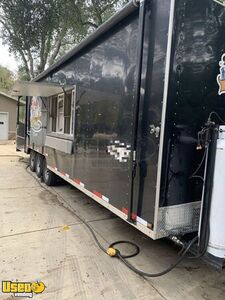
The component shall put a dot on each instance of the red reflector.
(134, 216)
(97, 194)
(125, 210)
(77, 181)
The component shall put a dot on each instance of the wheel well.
(29, 152)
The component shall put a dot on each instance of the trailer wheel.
(39, 165)
(49, 177)
(33, 161)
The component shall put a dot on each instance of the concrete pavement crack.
(56, 227)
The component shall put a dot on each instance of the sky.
(7, 59)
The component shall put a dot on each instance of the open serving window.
(50, 110)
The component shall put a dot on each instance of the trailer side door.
(21, 124)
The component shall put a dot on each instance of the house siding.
(9, 105)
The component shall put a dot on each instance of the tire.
(39, 165)
(33, 157)
(49, 177)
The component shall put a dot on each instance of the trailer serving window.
(72, 121)
(53, 113)
(67, 112)
(62, 112)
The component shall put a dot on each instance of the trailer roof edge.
(123, 13)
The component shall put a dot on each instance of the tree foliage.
(90, 14)
(6, 79)
(40, 31)
(33, 31)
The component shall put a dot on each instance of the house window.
(62, 113)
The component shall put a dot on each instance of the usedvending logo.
(35, 114)
(23, 289)
(222, 2)
(221, 76)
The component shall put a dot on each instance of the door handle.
(155, 130)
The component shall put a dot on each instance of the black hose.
(72, 210)
(140, 272)
(200, 165)
(137, 251)
(123, 258)
(217, 115)
(118, 254)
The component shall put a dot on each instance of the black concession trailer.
(132, 117)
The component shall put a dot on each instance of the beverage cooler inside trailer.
(131, 116)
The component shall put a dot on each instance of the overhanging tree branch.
(38, 31)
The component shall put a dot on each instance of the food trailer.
(133, 117)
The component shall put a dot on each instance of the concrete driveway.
(36, 245)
